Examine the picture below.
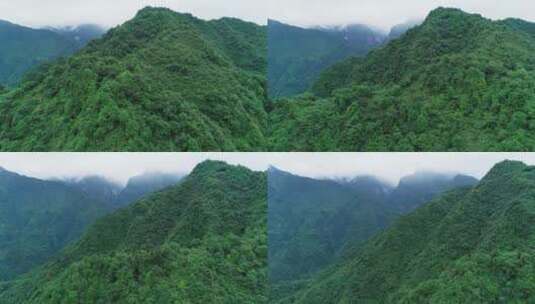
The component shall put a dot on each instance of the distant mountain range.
(313, 222)
(23, 48)
(103, 189)
(468, 245)
(40, 217)
(297, 56)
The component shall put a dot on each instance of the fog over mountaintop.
(385, 14)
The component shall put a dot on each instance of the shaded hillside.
(313, 223)
(310, 221)
(457, 82)
(162, 81)
(201, 241)
(23, 48)
(38, 218)
(297, 56)
(471, 245)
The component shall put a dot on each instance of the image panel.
(409, 76)
(401, 228)
(133, 228)
(133, 76)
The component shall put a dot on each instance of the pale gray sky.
(389, 166)
(384, 14)
(38, 13)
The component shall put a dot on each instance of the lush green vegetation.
(201, 241)
(470, 245)
(23, 48)
(458, 82)
(38, 218)
(314, 223)
(162, 81)
(296, 56)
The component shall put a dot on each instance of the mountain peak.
(446, 11)
(210, 166)
(506, 167)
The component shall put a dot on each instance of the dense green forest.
(201, 241)
(163, 81)
(38, 218)
(313, 223)
(23, 48)
(296, 56)
(458, 82)
(469, 245)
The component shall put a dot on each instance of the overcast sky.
(38, 13)
(388, 166)
(384, 14)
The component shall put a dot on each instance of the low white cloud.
(38, 13)
(389, 166)
(386, 13)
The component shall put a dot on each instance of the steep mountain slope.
(38, 218)
(310, 221)
(162, 81)
(296, 56)
(201, 241)
(138, 186)
(456, 82)
(22, 48)
(472, 245)
(312, 224)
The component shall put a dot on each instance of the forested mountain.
(457, 82)
(38, 218)
(201, 241)
(470, 245)
(311, 220)
(139, 186)
(313, 223)
(117, 196)
(162, 81)
(296, 56)
(22, 48)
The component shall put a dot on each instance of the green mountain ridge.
(296, 56)
(457, 82)
(203, 240)
(315, 223)
(470, 245)
(163, 81)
